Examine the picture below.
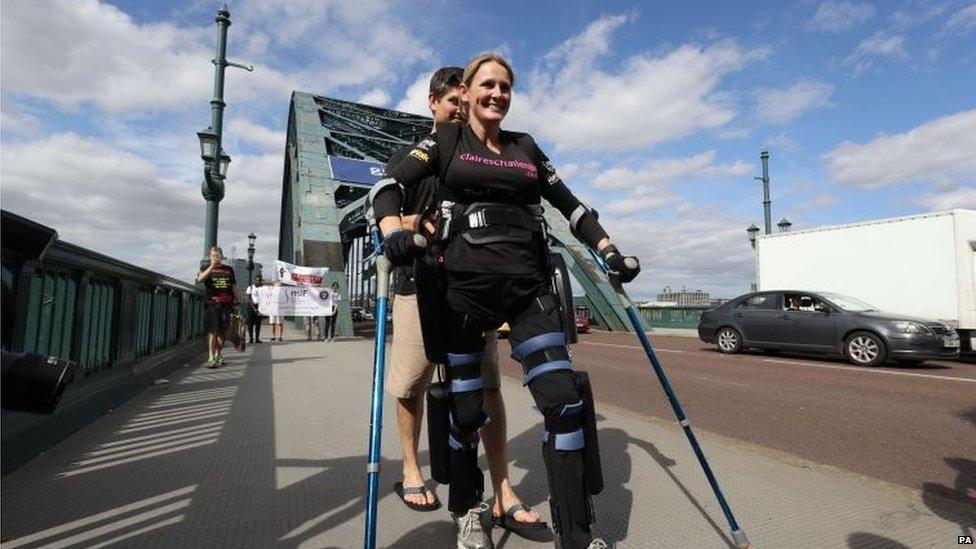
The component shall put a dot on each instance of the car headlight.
(911, 327)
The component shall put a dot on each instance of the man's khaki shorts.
(409, 371)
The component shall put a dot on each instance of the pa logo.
(964, 540)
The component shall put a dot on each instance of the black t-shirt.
(520, 175)
(220, 284)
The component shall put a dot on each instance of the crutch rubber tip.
(741, 540)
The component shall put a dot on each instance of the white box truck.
(920, 265)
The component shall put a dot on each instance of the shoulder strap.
(448, 137)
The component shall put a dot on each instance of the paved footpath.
(268, 452)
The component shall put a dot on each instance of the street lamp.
(208, 144)
(250, 258)
(215, 159)
(753, 230)
(784, 225)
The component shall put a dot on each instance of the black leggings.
(254, 328)
(330, 325)
(482, 302)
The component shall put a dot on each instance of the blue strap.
(574, 440)
(466, 385)
(541, 341)
(454, 444)
(456, 359)
(546, 367)
(569, 442)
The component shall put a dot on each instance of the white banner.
(294, 300)
(287, 273)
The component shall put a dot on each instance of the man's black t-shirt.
(520, 174)
(220, 284)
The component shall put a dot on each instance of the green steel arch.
(335, 152)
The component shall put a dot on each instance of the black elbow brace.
(385, 199)
(584, 224)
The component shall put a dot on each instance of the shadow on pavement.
(956, 503)
(865, 540)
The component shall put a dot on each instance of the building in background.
(683, 297)
(240, 272)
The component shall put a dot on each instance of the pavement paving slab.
(269, 452)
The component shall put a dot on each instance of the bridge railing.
(122, 324)
(95, 310)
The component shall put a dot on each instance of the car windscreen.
(849, 303)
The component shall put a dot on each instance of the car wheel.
(865, 349)
(729, 341)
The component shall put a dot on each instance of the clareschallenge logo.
(306, 279)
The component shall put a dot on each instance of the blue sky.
(654, 112)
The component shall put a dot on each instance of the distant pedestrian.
(222, 292)
(276, 321)
(330, 321)
(254, 317)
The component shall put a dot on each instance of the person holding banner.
(330, 320)
(276, 320)
(253, 313)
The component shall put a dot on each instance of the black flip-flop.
(533, 531)
(419, 490)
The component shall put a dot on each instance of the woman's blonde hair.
(481, 59)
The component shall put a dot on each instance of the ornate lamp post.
(250, 258)
(784, 225)
(214, 158)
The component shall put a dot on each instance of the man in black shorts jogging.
(221, 286)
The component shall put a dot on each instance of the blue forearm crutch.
(738, 535)
(383, 268)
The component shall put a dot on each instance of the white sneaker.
(471, 530)
(597, 543)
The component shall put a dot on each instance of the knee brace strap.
(465, 385)
(539, 342)
(544, 368)
(453, 442)
(460, 359)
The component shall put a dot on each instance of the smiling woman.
(493, 248)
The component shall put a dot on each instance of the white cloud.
(939, 150)
(784, 105)
(647, 99)
(882, 44)
(73, 52)
(659, 172)
(119, 204)
(378, 97)
(840, 16)
(415, 98)
(941, 198)
(701, 248)
(263, 137)
(879, 44)
(963, 21)
(16, 121)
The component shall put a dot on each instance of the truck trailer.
(919, 265)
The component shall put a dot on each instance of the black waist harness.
(490, 222)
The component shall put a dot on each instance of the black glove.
(399, 247)
(626, 267)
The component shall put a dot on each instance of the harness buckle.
(477, 220)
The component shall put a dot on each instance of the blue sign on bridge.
(356, 171)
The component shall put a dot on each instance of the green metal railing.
(675, 316)
(93, 309)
